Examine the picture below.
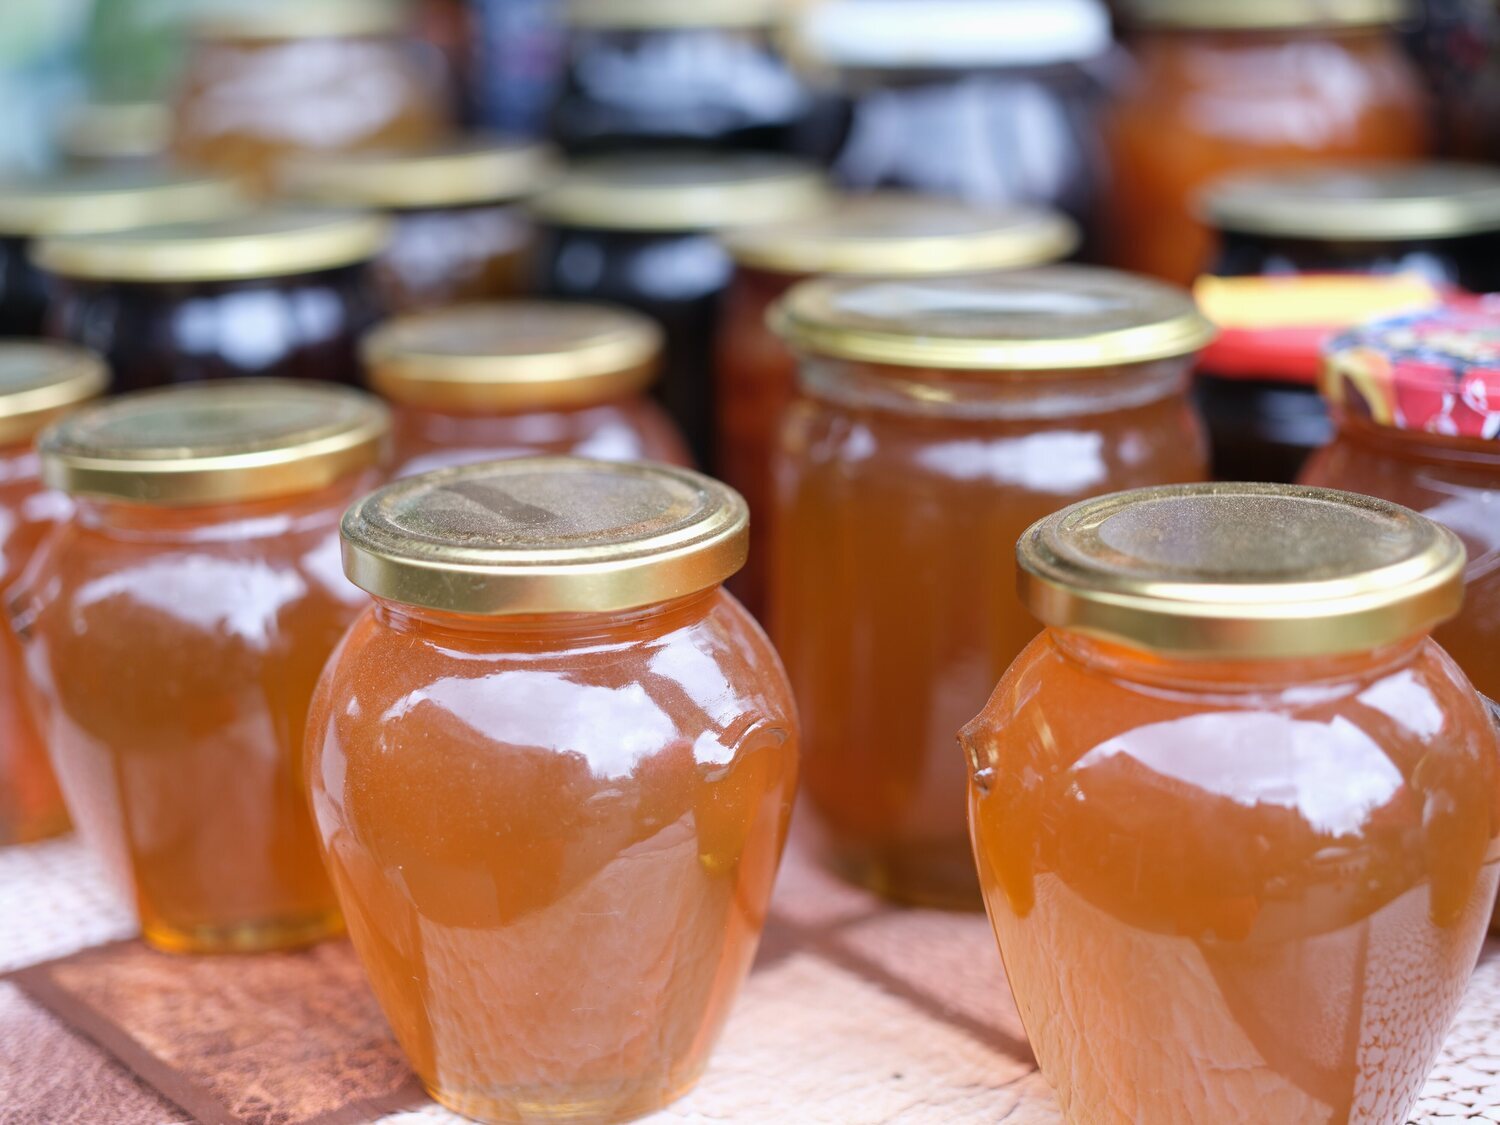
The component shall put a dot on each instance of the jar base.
(248, 937)
(911, 876)
(521, 1108)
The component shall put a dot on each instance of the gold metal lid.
(111, 200)
(115, 131)
(1048, 319)
(1253, 15)
(512, 356)
(899, 235)
(470, 170)
(1242, 571)
(682, 192)
(298, 19)
(1375, 202)
(637, 14)
(545, 535)
(216, 443)
(40, 381)
(274, 243)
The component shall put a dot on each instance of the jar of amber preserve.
(1234, 812)
(640, 231)
(174, 630)
(938, 418)
(1305, 254)
(88, 202)
(487, 382)
(1220, 86)
(552, 769)
(281, 293)
(460, 233)
(881, 235)
(38, 383)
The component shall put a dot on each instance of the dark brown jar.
(1306, 254)
(524, 378)
(642, 232)
(459, 230)
(83, 203)
(283, 293)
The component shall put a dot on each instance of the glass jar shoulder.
(27, 511)
(660, 271)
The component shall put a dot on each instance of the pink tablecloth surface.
(856, 1014)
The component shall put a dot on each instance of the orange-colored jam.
(1232, 890)
(554, 837)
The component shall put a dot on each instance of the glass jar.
(938, 418)
(38, 384)
(460, 232)
(552, 769)
(641, 232)
(665, 73)
(271, 79)
(1307, 253)
(83, 203)
(882, 235)
(1221, 86)
(114, 134)
(487, 382)
(1236, 815)
(967, 99)
(174, 630)
(275, 293)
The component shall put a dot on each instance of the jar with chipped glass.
(641, 231)
(38, 384)
(552, 769)
(937, 419)
(83, 203)
(1222, 86)
(880, 235)
(275, 293)
(174, 629)
(271, 79)
(1307, 253)
(487, 382)
(459, 228)
(1236, 815)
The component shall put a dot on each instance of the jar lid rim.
(112, 199)
(470, 170)
(40, 380)
(1264, 15)
(298, 19)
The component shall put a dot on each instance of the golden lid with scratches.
(1047, 319)
(645, 14)
(112, 199)
(1264, 15)
(214, 443)
(41, 380)
(545, 535)
(513, 355)
(1241, 571)
(465, 171)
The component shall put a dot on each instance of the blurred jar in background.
(285, 293)
(114, 134)
(642, 232)
(1457, 46)
(268, 80)
(81, 203)
(885, 234)
(986, 102)
(1220, 86)
(459, 232)
(1307, 253)
(656, 73)
(38, 384)
(487, 382)
(516, 58)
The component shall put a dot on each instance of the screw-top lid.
(1252, 15)
(682, 192)
(216, 443)
(646, 14)
(40, 381)
(1055, 318)
(906, 235)
(112, 199)
(1242, 571)
(463, 172)
(115, 131)
(298, 19)
(545, 535)
(273, 243)
(513, 356)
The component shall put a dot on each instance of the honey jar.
(1236, 814)
(174, 629)
(552, 768)
(486, 382)
(937, 418)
